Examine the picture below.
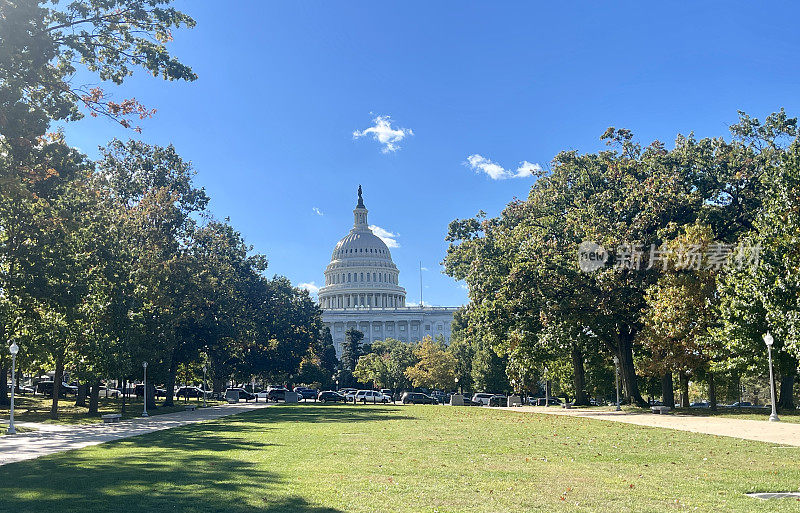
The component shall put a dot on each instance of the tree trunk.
(4, 399)
(712, 392)
(170, 387)
(80, 399)
(786, 400)
(579, 376)
(667, 390)
(218, 384)
(630, 383)
(684, 384)
(151, 396)
(58, 377)
(94, 399)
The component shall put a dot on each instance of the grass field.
(314, 458)
(37, 409)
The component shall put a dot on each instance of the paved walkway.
(52, 438)
(782, 433)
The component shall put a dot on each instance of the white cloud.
(312, 287)
(317, 211)
(383, 132)
(389, 238)
(481, 164)
(423, 269)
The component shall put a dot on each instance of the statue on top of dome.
(360, 199)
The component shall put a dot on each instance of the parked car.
(306, 393)
(498, 400)
(470, 402)
(417, 398)
(700, 404)
(482, 398)
(349, 394)
(110, 392)
(540, 401)
(441, 397)
(329, 396)
(21, 390)
(277, 394)
(742, 404)
(371, 396)
(46, 388)
(187, 392)
(243, 394)
(159, 392)
(388, 393)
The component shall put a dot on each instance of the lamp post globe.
(14, 349)
(769, 340)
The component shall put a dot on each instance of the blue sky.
(283, 86)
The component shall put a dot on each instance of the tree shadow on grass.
(150, 473)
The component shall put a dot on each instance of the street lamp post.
(144, 413)
(616, 380)
(769, 341)
(204, 386)
(14, 349)
(546, 391)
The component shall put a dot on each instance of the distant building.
(362, 291)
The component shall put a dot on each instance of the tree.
(45, 43)
(435, 367)
(351, 350)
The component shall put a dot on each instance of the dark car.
(330, 396)
(188, 392)
(470, 402)
(541, 401)
(277, 394)
(441, 397)
(417, 398)
(139, 391)
(46, 388)
(306, 393)
(243, 394)
(498, 400)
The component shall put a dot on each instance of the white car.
(370, 396)
(482, 398)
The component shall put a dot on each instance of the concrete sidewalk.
(52, 438)
(782, 433)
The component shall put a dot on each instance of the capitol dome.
(361, 272)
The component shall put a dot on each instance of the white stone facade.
(362, 291)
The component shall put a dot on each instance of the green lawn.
(37, 409)
(315, 458)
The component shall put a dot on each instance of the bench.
(111, 417)
(660, 409)
(191, 407)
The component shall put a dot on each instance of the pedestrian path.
(782, 433)
(53, 438)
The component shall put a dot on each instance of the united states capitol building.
(362, 290)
